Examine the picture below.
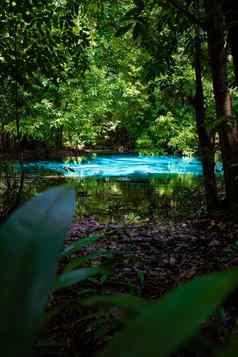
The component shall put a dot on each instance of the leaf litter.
(149, 259)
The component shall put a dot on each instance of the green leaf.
(76, 246)
(75, 277)
(162, 327)
(30, 244)
(75, 263)
(132, 304)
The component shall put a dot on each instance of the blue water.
(118, 166)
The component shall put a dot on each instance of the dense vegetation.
(107, 90)
(154, 76)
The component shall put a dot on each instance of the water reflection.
(131, 200)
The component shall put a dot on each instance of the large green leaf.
(30, 244)
(75, 277)
(77, 262)
(133, 305)
(162, 327)
(80, 243)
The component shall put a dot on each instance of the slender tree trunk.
(2, 137)
(206, 144)
(231, 15)
(227, 128)
(233, 38)
(59, 138)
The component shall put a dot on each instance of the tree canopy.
(152, 76)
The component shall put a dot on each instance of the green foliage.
(74, 276)
(166, 325)
(80, 261)
(76, 246)
(129, 303)
(31, 242)
(94, 91)
(80, 73)
(41, 45)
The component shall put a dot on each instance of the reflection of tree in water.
(113, 200)
(161, 195)
(137, 198)
(138, 195)
(11, 189)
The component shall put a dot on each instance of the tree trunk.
(206, 144)
(233, 33)
(5, 141)
(226, 126)
(59, 138)
(231, 15)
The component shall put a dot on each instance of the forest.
(119, 178)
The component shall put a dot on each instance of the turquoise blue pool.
(117, 166)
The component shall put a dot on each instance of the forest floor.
(149, 259)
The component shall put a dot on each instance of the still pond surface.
(125, 188)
